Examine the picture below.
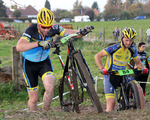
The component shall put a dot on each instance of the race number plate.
(125, 72)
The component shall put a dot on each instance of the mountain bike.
(128, 97)
(77, 77)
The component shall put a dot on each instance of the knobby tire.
(90, 85)
(133, 93)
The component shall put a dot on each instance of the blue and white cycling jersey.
(32, 35)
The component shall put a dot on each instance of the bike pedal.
(66, 109)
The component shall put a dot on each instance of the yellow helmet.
(129, 33)
(45, 17)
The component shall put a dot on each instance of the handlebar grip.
(90, 27)
(86, 30)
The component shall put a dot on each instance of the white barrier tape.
(143, 82)
(96, 78)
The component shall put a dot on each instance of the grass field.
(108, 25)
(11, 100)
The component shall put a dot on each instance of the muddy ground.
(87, 113)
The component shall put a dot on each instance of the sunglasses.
(43, 27)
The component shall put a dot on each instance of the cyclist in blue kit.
(35, 46)
(117, 57)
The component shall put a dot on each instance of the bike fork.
(124, 95)
(118, 99)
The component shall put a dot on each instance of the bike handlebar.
(86, 30)
(57, 39)
(124, 72)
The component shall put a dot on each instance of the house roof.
(29, 10)
(8, 12)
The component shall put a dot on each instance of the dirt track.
(87, 113)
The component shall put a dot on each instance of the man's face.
(44, 30)
(142, 48)
(127, 42)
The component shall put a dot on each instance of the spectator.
(145, 60)
(116, 34)
(148, 35)
(100, 35)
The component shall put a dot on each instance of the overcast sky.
(62, 4)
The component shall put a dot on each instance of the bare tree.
(136, 9)
(77, 8)
(77, 5)
(146, 9)
(112, 9)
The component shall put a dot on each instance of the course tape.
(96, 78)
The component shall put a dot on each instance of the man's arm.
(98, 60)
(138, 63)
(24, 45)
(69, 31)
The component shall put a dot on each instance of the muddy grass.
(87, 113)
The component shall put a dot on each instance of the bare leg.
(48, 82)
(141, 95)
(110, 104)
(32, 102)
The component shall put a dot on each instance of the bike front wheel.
(68, 96)
(87, 81)
(133, 95)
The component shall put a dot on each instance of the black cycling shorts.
(31, 71)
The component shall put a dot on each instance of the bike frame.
(76, 75)
(72, 50)
(123, 91)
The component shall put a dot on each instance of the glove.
(84, 31)
(144, 71)
(44, 44)
(136, 71)
(104, 71)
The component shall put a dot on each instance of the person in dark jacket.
(144, 57)
(116, 34)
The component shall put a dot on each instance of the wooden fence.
(17, 76)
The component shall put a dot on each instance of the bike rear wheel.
(68, 94)
(88, 81)
(133, 95)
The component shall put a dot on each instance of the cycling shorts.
(109, 88)
(31, 71)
